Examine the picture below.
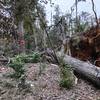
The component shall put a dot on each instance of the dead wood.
(89, 71)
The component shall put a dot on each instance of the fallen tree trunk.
(84, 69)
(87, 70)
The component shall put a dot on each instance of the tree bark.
(93, 8)
(21, 36)
(87, 70)
(76, 15)
(44, 40)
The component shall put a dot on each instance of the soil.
(42, 83)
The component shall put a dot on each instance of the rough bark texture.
(21, 36)
(85, 69)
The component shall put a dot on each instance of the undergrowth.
(66, 75)
(17, 63)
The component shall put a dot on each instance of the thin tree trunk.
(21, 36)
(44, 40)
(35, 36)
(76, 15)
(93, 8)
(36, 44)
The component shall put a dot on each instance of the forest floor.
(43, 84)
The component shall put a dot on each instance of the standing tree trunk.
(76, 15)
(93, 8)
(35, 38)
(21, 36)
(44, 39)
(36, 41)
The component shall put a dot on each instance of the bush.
(66, 75)
(33, 58)
(17, 63)
(66, 83)
(30, 58)
(18, 67)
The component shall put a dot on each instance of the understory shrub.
(66, 83)
(18, 68)
(18, 62)
(66, 75)
(28, 58)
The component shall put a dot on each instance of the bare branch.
(93, 8)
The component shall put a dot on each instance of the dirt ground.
(43, 84)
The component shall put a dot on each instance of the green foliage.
(28, 58)
(27, 36)
(66, 83)
(17, 63)
(32, 58)
(18, 68)
(66, 75)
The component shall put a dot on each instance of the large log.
(89, 71)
